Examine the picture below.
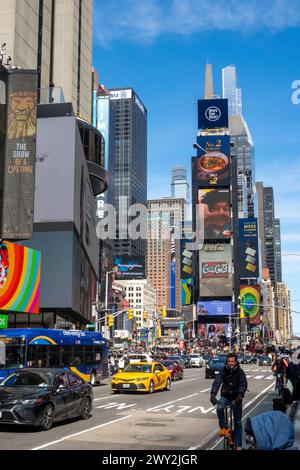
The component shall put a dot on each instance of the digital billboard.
(210, 330)
(250, 303)
(214, 307)
(130, 267)
(187, 291)
(20, 272)
(215, 270)
(211, 167)
(248, 241)
(103, 122)
(212, 113)
(214, 211)
(17, 196)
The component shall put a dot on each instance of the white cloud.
(145, 20)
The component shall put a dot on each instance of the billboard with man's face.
(214, 212)
(211, 167)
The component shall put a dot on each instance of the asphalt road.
(180, 419)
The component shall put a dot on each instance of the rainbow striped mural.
(20, 273)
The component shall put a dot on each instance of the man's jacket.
(233, 382)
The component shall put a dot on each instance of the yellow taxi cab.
(142, 377)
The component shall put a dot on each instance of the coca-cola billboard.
(215, 269)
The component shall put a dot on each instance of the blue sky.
(160, 48)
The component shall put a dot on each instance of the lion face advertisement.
(22, 114)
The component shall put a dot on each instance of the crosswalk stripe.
(259, 377)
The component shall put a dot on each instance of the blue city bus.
(83, 352)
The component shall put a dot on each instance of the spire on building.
(209, 82)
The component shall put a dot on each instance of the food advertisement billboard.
(20, 273)
(248, 239)
(214, 212)
(215, 270)
(211, 167)
(250, 303)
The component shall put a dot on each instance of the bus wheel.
(93, 379)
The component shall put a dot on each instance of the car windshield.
(28, 379)
(194, 356)
(169, 363)
(139, 368)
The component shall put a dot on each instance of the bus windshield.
(12, 353)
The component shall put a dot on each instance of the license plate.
(126, 385)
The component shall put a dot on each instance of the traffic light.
(111, 321)
(130, 314)
(164, 311)
(145, 315)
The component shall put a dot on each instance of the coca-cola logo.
(215, 269)
(218, 247)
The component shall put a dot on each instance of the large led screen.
(20, 272)
(215, 270)
(248, 238)
(215, 213)
(250, 303)
(212, 165)
(214, 307)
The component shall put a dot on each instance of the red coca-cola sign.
(219, 269)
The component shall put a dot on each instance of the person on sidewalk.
(233, 383)
(270, 431)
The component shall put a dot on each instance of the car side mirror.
(60, 388)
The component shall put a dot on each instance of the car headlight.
(141, 379)
(33, 401)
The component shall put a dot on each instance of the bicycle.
(279, 382)
(228, 440)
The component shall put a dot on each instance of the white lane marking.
(259, 377)
(173, 401)
(81, 432)
(203, 410)
(108, 396)
(249, 376)
(118, 406)
(246, 406)
(184, 381)
(206, 390)
(269, 377)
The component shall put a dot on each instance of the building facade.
(284, 314)
(129, 159)
(159, 257)
(55, 37)
(278, 260)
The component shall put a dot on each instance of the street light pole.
(106, 332)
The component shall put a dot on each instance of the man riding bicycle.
(233, 383)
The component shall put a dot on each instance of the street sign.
(3, 321)
(91, 326)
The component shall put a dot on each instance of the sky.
(161, 47)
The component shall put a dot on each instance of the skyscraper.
(130, 164)
(231, 91)
(266, 216)
(243, 149)
(55, 37)
(180, 186)
(278, 250)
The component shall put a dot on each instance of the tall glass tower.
(130, 165)
(231, 91)
(180, 186)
